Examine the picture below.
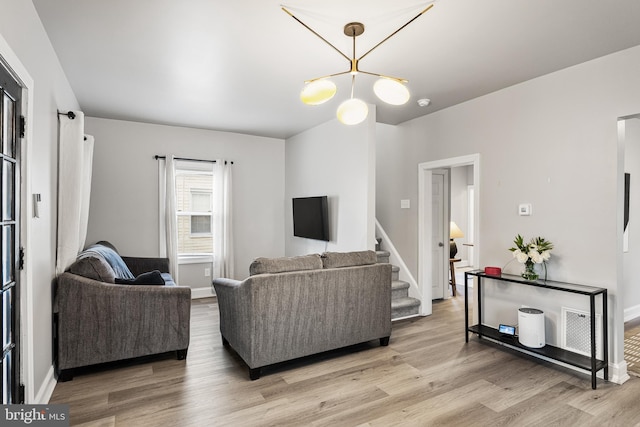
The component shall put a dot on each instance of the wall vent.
(576, 332)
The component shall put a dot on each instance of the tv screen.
(311, 218)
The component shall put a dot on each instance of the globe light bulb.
(391, 91)
(318, 92)
(352, 111)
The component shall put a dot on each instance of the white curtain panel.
(74, 188)
(87, 166)
(223, 260)
(167, 214)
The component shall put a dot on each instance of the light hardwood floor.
(427, 376)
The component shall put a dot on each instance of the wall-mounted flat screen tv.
(311, 217)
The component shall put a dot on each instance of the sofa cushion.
(282, 265)
(348, 259)
(112, 257)
(92, 267)
(150, 278)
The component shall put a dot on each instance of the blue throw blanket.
(112, 258)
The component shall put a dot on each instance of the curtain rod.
(188, 159)
(69, 114)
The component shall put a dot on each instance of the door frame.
(27, 363)
(424, 224)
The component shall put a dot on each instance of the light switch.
(524, 209)
(405, 204)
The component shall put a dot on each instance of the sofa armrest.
(139, 265)
(234, 305)
(100, 322)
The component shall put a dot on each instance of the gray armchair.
(99, 321)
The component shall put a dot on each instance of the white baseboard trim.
(618, 372)
(198, 293)
(631, 313)
(46, 389)
(411, 316)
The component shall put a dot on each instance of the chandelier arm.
(396, 31)
(316, 34)
(326, 77)
(398, 79)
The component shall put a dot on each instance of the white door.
(439, 232)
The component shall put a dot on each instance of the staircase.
(402, 305)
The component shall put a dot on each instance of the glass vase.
(529, 272)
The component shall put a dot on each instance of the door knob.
(440, 244)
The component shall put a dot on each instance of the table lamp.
(454, 233)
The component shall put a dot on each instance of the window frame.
(192, 169)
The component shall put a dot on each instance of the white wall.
(631, 259)
(392, 187)
(124, 189)
(24, 43)
(551, 142)
(337, 161)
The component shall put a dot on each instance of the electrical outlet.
(207, 272)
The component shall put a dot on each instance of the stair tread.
(383, 253)
(399, 284)
(405, 302)
(395, 268)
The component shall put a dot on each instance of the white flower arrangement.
(537, 251)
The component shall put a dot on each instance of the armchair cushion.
(283, 265)
(112, 257)
(93, 267)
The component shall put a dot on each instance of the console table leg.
(466, 307)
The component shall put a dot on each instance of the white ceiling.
(239, 65)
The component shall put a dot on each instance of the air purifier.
(531, 327)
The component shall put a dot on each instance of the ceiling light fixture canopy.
(391, 90)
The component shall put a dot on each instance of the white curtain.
(222, 226)
(75, 160)
(167, 218)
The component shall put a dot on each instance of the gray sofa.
(99, 320)
(294, 307)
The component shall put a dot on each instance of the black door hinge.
(20, 394)
(21, 259)
(23, 125)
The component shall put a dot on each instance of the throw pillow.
(282, 265)
(93, 267)
(151, 278)
(120, 269)
(348, 259)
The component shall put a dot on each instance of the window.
(200, 212)
(194, 194)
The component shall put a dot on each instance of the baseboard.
(197, 293)
(46, 389)
(618, 372)
(631, 313)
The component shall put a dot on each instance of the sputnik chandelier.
(391, 90)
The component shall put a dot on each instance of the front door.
(10, 134)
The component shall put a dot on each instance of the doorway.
(629, 238)
(427, 241)
(10, 166)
